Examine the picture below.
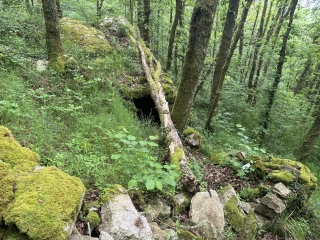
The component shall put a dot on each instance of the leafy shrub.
(135, 159)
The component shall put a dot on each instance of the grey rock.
(193, 141)
(42, 65)
(226, 193)
(206, 229)
(281, 190)
(122, 221)
(270, 206)
(207, 206)
(160, 234)
(246, 207)
(105, 236)
(261, 220)
(157, 210)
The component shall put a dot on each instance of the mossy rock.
(301, 172)
(45, 203)
(111, 192)
(119, 26)
(244, 225)
(185, 234)
(233, 215)
(88, 39)
(19, 158)
(250, 227)
(192, 136)
(281, 176)
(93, 219)
(219, 158)
(12, 233)
(6, 190)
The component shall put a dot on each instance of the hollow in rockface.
(147, 109)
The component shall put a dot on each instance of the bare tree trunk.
(53, 41)
(176, 151)
(221, 60)
(200, 31)
(281, 60)
(177, 18)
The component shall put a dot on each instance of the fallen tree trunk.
(176, 152)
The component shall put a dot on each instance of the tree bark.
(55, 50)
(281, 60)
(199, 35)
(247, 59)
(251, 86)
(177, 18)
(221, 60)
(60, 14)
(143, 19)
(153, 76)
(99, 7)
(310, 138)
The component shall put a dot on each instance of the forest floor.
(214, 176)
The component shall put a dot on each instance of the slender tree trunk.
(283, 16)
(303, 77)
(281, 60)
(143, 19)
(221, 61)
(60, 14)
(177, 17)
(199, 35)
(310, 138)
(251, 86)
(99, 7)
(247, 59)
(53, 41)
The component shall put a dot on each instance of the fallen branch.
(176, 152)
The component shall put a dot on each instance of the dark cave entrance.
(146, 109)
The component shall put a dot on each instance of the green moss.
(219, 158)
(225, 189)
(233, 215)
(6, 189)
(89, 39)
(281, 176)
(93, 219)
(189, 131)
(176, 156)
(59, 64)
(110, 193)
(21, 159)
(184, 234)
(44, 202)
(250, 227)
(136, 92)
(12, 233)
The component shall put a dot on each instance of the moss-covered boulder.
(14, 161)
(46, 204)
(192, 136)
(88, 39)
(35, 202)
(19, 158)
(245, 225)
